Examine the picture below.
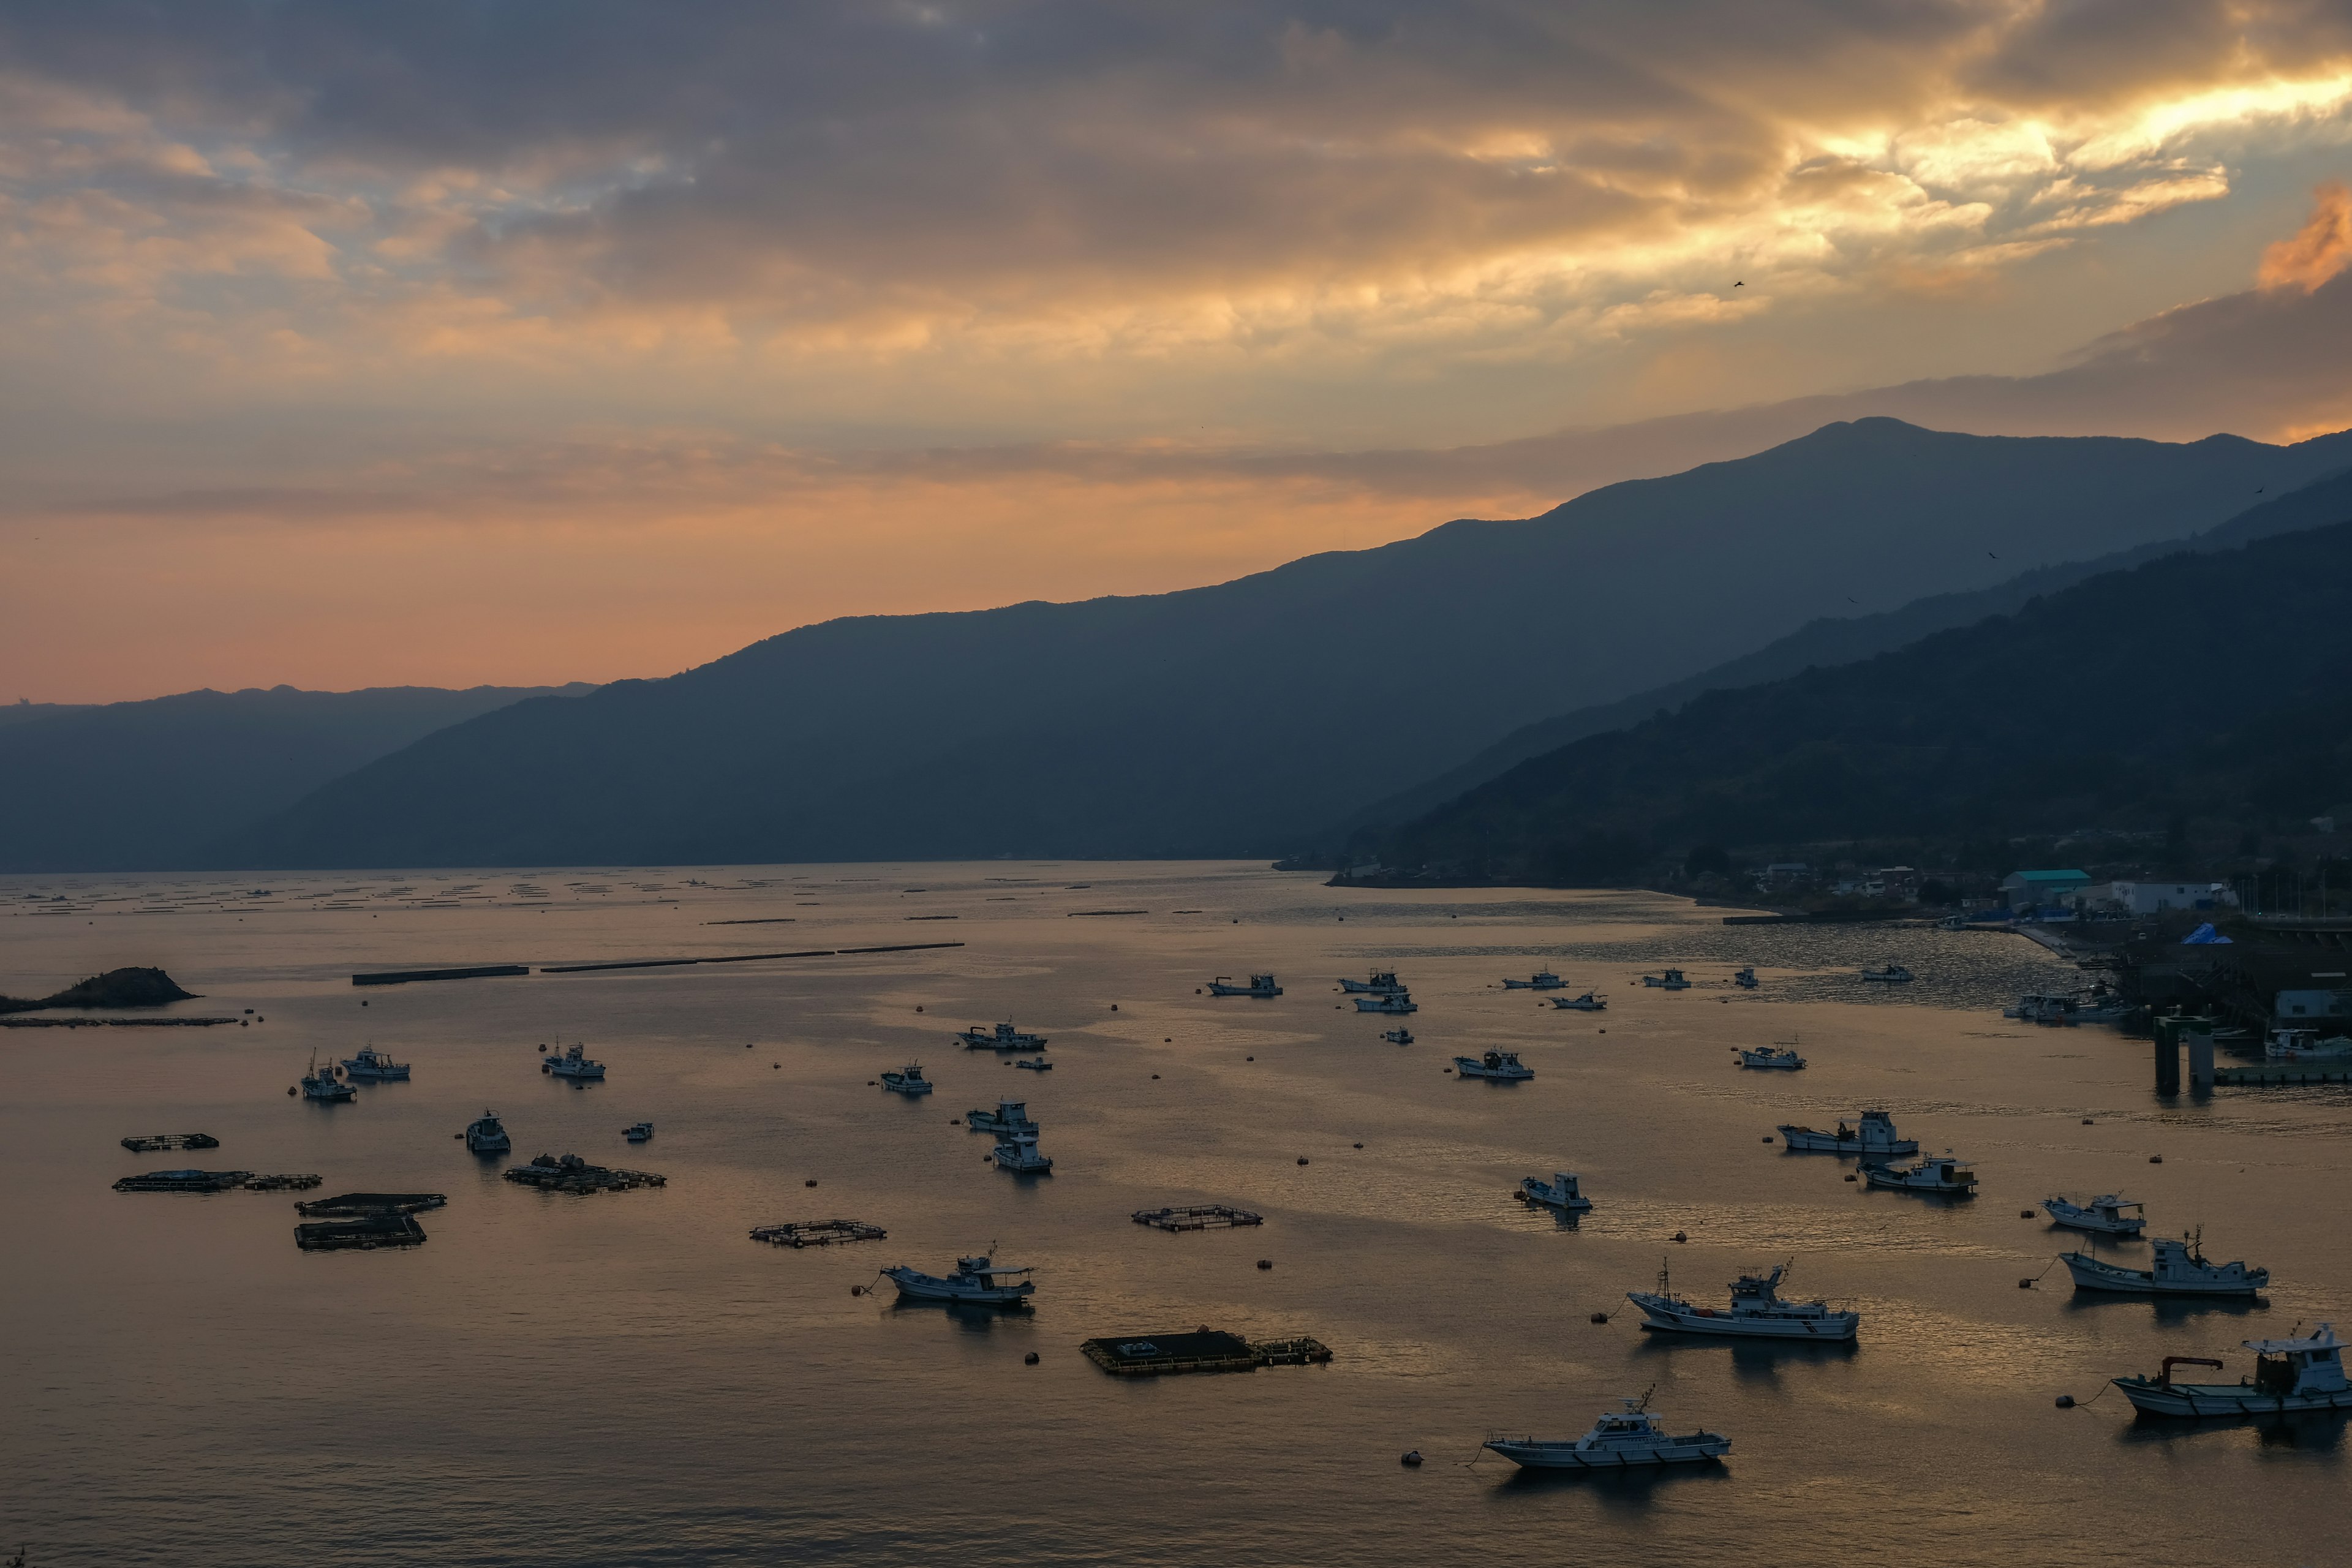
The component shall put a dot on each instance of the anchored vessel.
(1542, 979)
(1755, 1310)
(1588, 1003)
(1259, 985)
(1746, 978)
(1503, 1065)
(1782, 1056)
(1003, 1037)
(974, 1282)
(1010, 1116)
(1018, 1152)
(1560, 1193)
(1893, 975)
(321, 1084)
(576, 1065)
(375, 1066)
(1399, 1035)
(1671, 980)
(908, 1081)
(1393, 1002)
(1040, 1065)
(2290, 1375)
(638, 1132)
(487, 1135)
(1939, 1174)
(2104, 1214)
(2179, 1269)
(1620, 1440)
(1383, 982)
(1872, 1132)
(156, 1142)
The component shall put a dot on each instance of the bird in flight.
(1742, 284)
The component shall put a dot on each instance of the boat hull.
(1894, 1183)
(1835, 1328)
(928, 1290)
(1385, 1004)
(2093, 1223)
(1466, 1068)
(332, 1094)
(376, 1075)
(902, 1087)
(1805, 1141)
(578, 1075)
(1538, 1454)
(2090, 1273)
(1579, 1004)
(2207, 1401)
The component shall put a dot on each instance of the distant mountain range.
(1247, 717)
(2203, 685)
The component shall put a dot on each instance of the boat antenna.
(1643, 1403)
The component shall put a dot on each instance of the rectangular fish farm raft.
(1199, 1216)
(360, 1234)
(156, 1142)
(350, 1203)
(210, 1182)
(818, 1232)
(573, 1174)
(1207, 1350)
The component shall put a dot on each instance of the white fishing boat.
(1259, 985)
(1891, 974)
(974, 1282)
(2290, 1376)
(638, 1132)
(1503, 1065)
(1872, 1132)
(1756, 1311)
(1745, 978)
(2104, 1214)
(1399, 1035)
(1588, 1003)
(1669, 980)
(908, 1081)
(374, 1066)
(1542, 979)
(576, 1065)
(1782, 1059)
(321, 1084)
(2305, 1045)
(1040, 1065)
(485, 1134)
(1942, 1173)
(1003, 1037)
(1383, 981)
(2179, 1269)
(1560, 1193)
(1018, 1152)
(1010, 1116)
(1395, 1001)
(1627, 1440)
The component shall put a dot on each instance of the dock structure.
(409, 976)
(282, 1183)
(350, 1203)
(210, 1182)
(2281, 1076)
(1202, 1349)
(360, 1234)
(818, 1232)
(156, 1142)
(573, 1174)
(1198, 1216)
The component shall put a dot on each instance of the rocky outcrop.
(115, 988)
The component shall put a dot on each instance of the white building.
(2155, 897)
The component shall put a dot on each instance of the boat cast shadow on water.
(1629, 1490)
(1756, 1358)
(2308, 1431)
(2169, 1308)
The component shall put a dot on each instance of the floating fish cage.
(210, 1182)
(573, 1174)
(361, 1235)
(1206, 1349)
(350, 1203)
(155, 1143)
(818, 1232)
(283, 1183)
(1198, 1216)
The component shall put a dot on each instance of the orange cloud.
(2319, 250)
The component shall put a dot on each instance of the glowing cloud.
(2319, 251)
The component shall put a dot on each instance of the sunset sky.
(449, 344)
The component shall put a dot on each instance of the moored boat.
(2179, 1269)
(1630, 1439)
(1942, 1173)
(1756, 1311)
(973, 1282)
(1399, 1035)
(2305, 1045)
(2104, 1214)
(1383, 982)
(908, 1081)
(1010, 1116)
(1669, 980)
(2290, 1376)
(1499, 1065)
(1542, 979)
(1259, 985)
(1745, 978)
(1891, 974)
(1018, 1152)
(375, 1065)
(1003, 1037)
(1784, 1058)
(1040, 1065)
(638, 1132)
(574, 1064)
(1588, 1003)
(1872, 1132)
(321, 1084)
(1393, 1002)
(1560, 1193)
(487, 1135)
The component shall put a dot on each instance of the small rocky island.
(115, 988)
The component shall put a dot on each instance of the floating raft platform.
(373, 1204)
(2254, 1077)
(573, 1174)
(361, 1235)
(404, 976)
(283, 1183)
(209, 1182)
(1207, 1350)
(115, 1023)
(156, 1142)
(818, 1232)
(1199, 1216)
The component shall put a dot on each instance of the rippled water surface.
(628, 1379)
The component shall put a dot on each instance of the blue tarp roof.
(2206, 935)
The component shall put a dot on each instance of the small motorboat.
(1756, 1311)
(1040, 1065)
(1669, 980)
(319, 1083)
(1018, 1152)
(1744, 979)
(2290, 1375)
(487, 1135)
(974, 1282)
(1588, 1003)
(2103, 1215)
(1560, 1193)
(576, 1065)
(1783, 1057)
(1542, 979)
(908, 1081)
(1399, 1035)
(1003, 1037)
(1502, 1066)
(1891, 974)
(1944, 1173)
(1010, 1116)
(1383, 981)
(375, 1066)
(2179, 1269)
(1630, 1439)
(638, 1132)
(1872, 1132)
(1393, 1002)
(1259, 985)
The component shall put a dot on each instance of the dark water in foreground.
(627, 1379)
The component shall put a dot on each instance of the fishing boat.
(1399, 1035)
(1503, 1065)
(576, 1065)
(1018, 1152)
(1744, 979)
(321, 1084)
(1542, 979)
(908, 1081)
(1943, 1174)
(1040, 1065)
(1621, 1440)
(974, 1282)
(1669, 980)
(1395, 1001)
(638, 1132)
(1259, 985)
(1382, 983)
(376, 1066)
(1872, 1132)
(2179, 1269)
(1784, 1058)
(2103, 1215)
(1756, 1311)
(1891, 974)
(1588, 1003)
(1560, 1193)
(2290, 1375)
(487, 1135)
(1003, 1037)
(2305, 1045)
(1010, 1116)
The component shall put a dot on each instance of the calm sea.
(628, 1379)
